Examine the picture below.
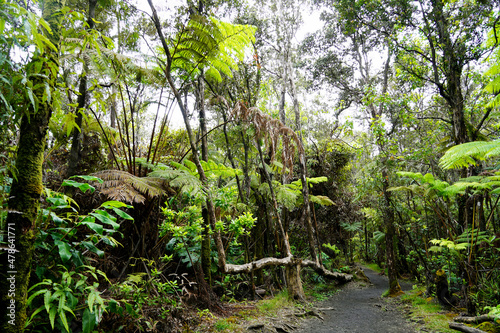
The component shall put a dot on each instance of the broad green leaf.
(64, 250)
(93, 248)
(64, 320)
(94, 226)
(104, 217)
(115, 204)
(88, 321)
(122, 214)
(91, 300)
(82, 186)
(37, 311)
(89, 178)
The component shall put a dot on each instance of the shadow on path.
(361, 310)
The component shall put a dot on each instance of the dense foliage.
(158, 159)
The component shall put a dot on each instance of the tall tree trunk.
(76, 141)
(306, 210)
(205, 242)
(27, 187)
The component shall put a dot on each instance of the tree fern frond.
(321, 200)
(191, 166)
(123, 186)
(317, 180)
(185, 179)
(286, 197)
(219, 169)
(167, 174)
(180, 166)
(411, 188)
(461, 187)
(466, 154)
(412, 175)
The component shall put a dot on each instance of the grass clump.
(270, 306)
(226, 325)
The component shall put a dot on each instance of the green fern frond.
(185, 180)
(461, 187)
(411, 188)
(212, 45)
(123, 186)
(167, 174)
(219, 170)
(180, 166)
(317, 180)
(286, 197)
(264, 189)
(378, 237)
(475, 236)
(466, 154)
(411, 175)
(321, 200)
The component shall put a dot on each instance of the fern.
(212, 45)
(430, 185)
(287, 197)
(467, 154)
(321, 200)
(378, 237)
(475, 236)
(440, 244)
(219, 170)
(123, 186)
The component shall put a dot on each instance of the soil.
(360, 308)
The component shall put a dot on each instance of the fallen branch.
(340, 277)
(258, 264)
(474, 320)
(465, 328)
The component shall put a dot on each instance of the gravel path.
(360, 310)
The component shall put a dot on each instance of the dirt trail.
(360, 310)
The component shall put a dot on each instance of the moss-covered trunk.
(23, 209)
(27, 186)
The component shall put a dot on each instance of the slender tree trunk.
(306, 210)
(27, 187)
(390, 233)
(205, 242)
(76, 142)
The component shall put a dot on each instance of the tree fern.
(212, 45)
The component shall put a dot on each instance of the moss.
(489, 327)
(27, 187)
(427, 311)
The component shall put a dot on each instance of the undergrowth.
(427, 311)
